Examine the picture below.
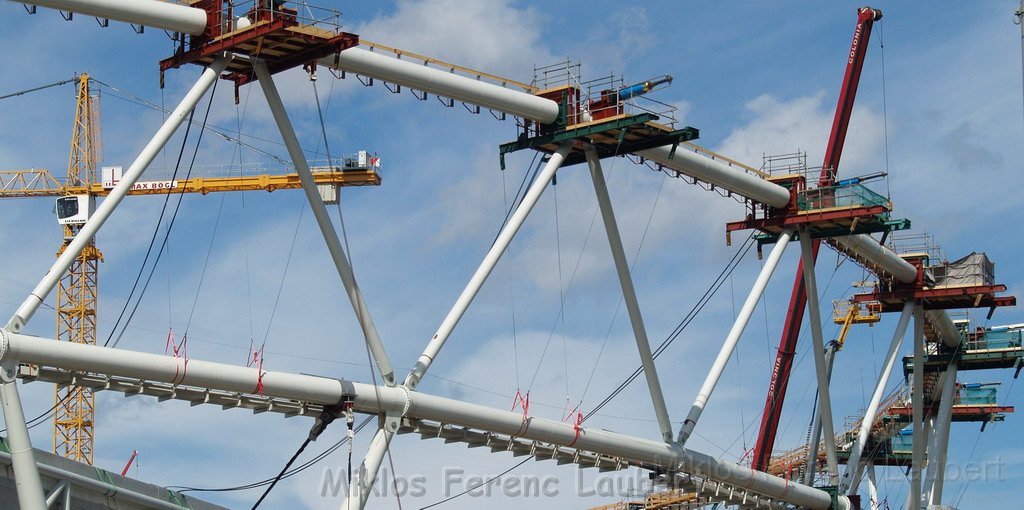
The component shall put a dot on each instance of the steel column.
(362, 482)
(323, 220)
(824, 400)
(810, 465)
(85, 235)
(26, 473)
(852, 475)
(733, 338)
(872, 487)
(487, 265)
(628, 292)
(940, 437)
(917, 407)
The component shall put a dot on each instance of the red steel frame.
(798, 300)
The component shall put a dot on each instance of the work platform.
(257, 30)
(614, 136)
(942, 298)
(613, 118)
(844, 209)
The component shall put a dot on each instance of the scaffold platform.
(828, 211)
(612, 136)
(275, 35)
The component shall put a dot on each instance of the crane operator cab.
(75, 209)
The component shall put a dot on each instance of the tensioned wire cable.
(111, 342)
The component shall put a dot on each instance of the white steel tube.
(323, 220)
(811, 461)
(852, 475)
(377, 399)
(872, 487)
(824, 400)
(733, 338)
(937, 455)
(26, 474)
(943, 326)
(362, 482)
(629, 292)
(151, 13)
(487, 265)
(700, 167)
(174, 120)
(443, 83)
(878, 255)
(917, 409)
(55, 493)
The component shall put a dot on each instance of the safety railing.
(848, 195)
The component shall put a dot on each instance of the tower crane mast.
(866, 17)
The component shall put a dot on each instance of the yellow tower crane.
(77, 292)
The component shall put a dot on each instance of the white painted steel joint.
(8, 371)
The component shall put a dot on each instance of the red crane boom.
(866, 17)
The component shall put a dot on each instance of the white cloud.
(492, 35)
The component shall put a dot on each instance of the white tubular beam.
(878, 255)
(45, 286)
(362, 482)
(26, 474)
(733, 337)
(628, 292)
(872, 487)
(443, 83)
(151, 13)
(323, 220)
(824, 399)
(487, 265)
(377, 399)
(937, 454)
(944, 327)
(690, 163)
(917, 409)
(852, 475)
(811, 461)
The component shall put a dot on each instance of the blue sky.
(754, 79)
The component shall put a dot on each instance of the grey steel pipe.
(323, 220)
(943, 326)
(443, 83)
(375, 399)
(150, 13)
(733, 338)
(700, 167)
(878, 255)
(818, 347)
(852, 477)
(26, 474)
(636, 318)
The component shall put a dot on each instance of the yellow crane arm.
(40, 183)
(29, 183)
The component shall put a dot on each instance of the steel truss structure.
(400, 405)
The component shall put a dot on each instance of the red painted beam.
(808, 218)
